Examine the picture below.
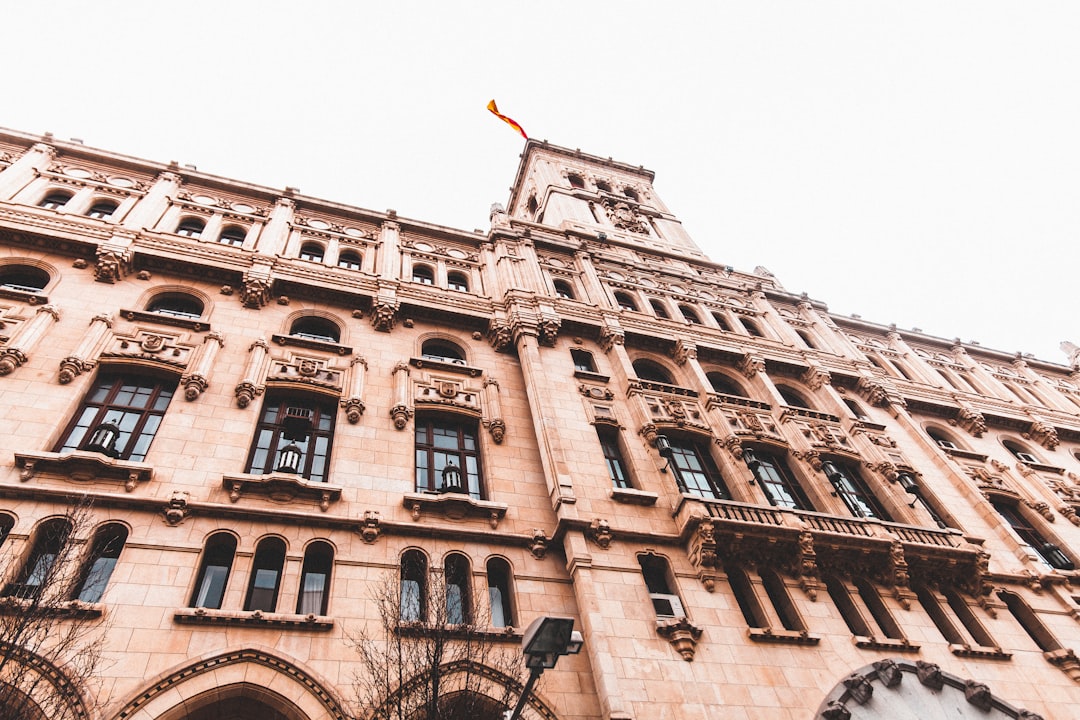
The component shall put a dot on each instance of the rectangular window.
(119, 417)
(609, 442)
(447, 453)
(853, 491)
(695, 471)
(293, 436)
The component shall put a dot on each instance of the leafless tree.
(431, 655)
(50, 640)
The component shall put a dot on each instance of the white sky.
(915, 162)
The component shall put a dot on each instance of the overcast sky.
(915, 162)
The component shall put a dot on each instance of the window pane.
(212, 590)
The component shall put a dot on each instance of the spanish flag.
(509, 121)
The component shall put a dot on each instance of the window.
(775, 479)
(616, 466)
(413, 606)
(1048, 551)
(266, 575)
(313, 327)
(1029, 620)
(499, 595)
(563, 290)
(23, 278)
(603, 186)
(6, 523)
(41, 569)
(649, 371)
(311, 251)
(630, 193)
(967, 618)
(119, 416)
(423, 274)
(752, 611)
(350, 260)
(721, 322)
(724, 385)
(778, 595)
(848, 610)
(442, 351)
(294, 436)
(943, 440)
(851, 489)
(751, 327)
(855, 409)
(55, 200)
(98, 568)
(658, 308)
(873, 602)
(625, 301)
(807, 340)
(689, 315)
(793, 398)
(576, 181)
(937, 613)
(176, 305)
(456, 576)
(447, 456)
(233, 235)
(1020, 452)
(457, 281)
(214, 572)
(694, 469)
(315, 579)
(583, 360)
(102, 209)
(657, 577)
(191, 227)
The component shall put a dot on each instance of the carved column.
(354, 403)
(85, 356)
(195, 380)
(254, 374)
(402, 409)
(26, 337)
(495, 423)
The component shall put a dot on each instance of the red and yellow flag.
(509, 121)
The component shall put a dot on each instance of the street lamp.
(546, 639)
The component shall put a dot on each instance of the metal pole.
(534, 673)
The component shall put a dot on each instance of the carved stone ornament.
(383, 315)
(354, 408)
(836, 711)
(111, 265)
(972, 421)
(72, 367)
(499, 335)
(497, 428)
(859, 687)
(401, 415)
(978, 695)
(751, 365)
(254, 293)
(682, 634)
(246, 392)
(888, 672)
(194, 386)
(371, 527)
(623, 217)
(610, 336)
(1041, 508)
(176, 510)
(815, 377)
(806, 567)
(683, 351)
(600, 533)
(549, 330)
(1043, 433)
(929, 674)
(539, 544)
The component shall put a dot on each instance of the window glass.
(852, 490)
(350, 260)
(102, 209)
(55, 200)
(423, 274)
(695, 471)
(609, 442)
(294, 435)
(214, 571)
(39, 570)
(311, 251)
(233, 235)
(457, 281)
(191, 227)
(98, 568)
(266, 575)
(176, 305)
(776, 481)
(413, 606)
(315, 579)
(498, 578)
(24, 278)
(440, 443)
(132, 406)
(315, 328)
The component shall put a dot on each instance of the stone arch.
(249, 674)
(895, 689)
(153, 293)
(58, 697)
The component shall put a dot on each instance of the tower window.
(102, 209)
(312, 251)
(576, 181)
(191, 227)
(413, 605)
(1051, 554)
(44, 564)
(458, 598)
(55, 200)
(724, 385)
(689, 315)
(442, 351)
(233, 235)
(651, 372)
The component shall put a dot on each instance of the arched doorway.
(241, 701)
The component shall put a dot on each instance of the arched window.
(721, 321)
(6, 523)
(751, 327)
(232, 235)
(102, 209)
(55, 200)
(1051, 554)
(413, 606)
(947, 442)
(457, 281)
(793, 397)
(841, 598)
(1021, 453)
(776, 480)
(294, 436)
(583, 360)
(658, 308)
(191, 227)
(937, 613)
(649, 371)
(532, 205)
(658, 579)
(350, 260)
(179, 305)
(855, 408)
(689, 315)
(500, 593)
(313, 327)
(442, 351)
(312, 251)
(564, 290)
(315, 579)
(873, 602)
(778, 595)
(752, 610)
(24, 278)
(625, 301)
(576, 181)
(456, 576)
(630, 193)
(119, 416)
(447, 456)
(724, 385)
(967, 618)
(603, 186)
(98, 565)
(44, 563)
(266, 575)
(214, 571)
(807, 340)
(851, 489)
(1029, 620)
(693, 467)
(423, 274)
(616, 465)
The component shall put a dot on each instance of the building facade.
(267, 404)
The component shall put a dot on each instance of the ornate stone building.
(752, 508)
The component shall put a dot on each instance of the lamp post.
(546, 639)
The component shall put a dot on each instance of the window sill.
(206, 616)
(630, 496)
(83, 466)
(782, 637)
(968, 454)
(491, 634)
(281, 488)
(979, 651)
(13, 605)
(309, 344)
(890, 644)
(188, 323)
(454, 506)
(590, 375)
(27, 296)
(1044, 468)
(445, 366)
